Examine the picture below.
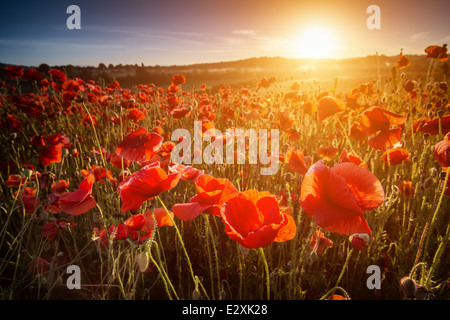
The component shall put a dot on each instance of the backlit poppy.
(211, 194)
(59, 186)
(51, 154)
(139, 146)
(337, 198)
(296, 161)
(402, 62)
(437, 52)
(77, 202)
(376, 119)
(145, 184)
(329, 106)
(395, 156)
(406, 188)
(441, 151)
(13, 72)
(57, 75)
(319, 236)
(352, 157)
(254, 219)
(432, 126)
(388, 139)
(327, 153)
(178, 79)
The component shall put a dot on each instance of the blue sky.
(185, 32)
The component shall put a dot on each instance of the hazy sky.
(184, 32)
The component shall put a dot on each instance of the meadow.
(87, 180)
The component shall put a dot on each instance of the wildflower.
(77, 202)
(441, 151)
(359, 241)
(145, 184)
(254, 219)
(296, 161)
(139, 146)
(395, 156)
(211, 194)
(319, 241)
(337, 198)
(329, 106)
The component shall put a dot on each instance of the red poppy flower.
(57, 75)
(76, 202)
(254, 219)
(117, 160)
(136, 115)
(441, 151)
(187, 172)
(15, 180)
(296, 161)
(328, 106)
(337, 198)
(13, 124)
(13, 72)
(406, 188)
(178, 79)
(38, 266)
(32, 74)
(437, 52)
(51, 154)
(385, 140)
(59, 186)
(358, 241)
(59, 138)
(161, 218)
(431, 126)
(37, 141)
(145, 184)
(402, 62)
(51, 229)
(29, 199)
(352, 157)
(211, 194)
(323, 242)
(139, 146)
(376, 119)
(395, 156)
(327, 153)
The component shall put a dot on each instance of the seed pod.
(408, 286)
(196, 294)
(428, 183)
(143, 260)
(421, 292)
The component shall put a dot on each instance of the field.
(93, 205)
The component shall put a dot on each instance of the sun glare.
(315, 42)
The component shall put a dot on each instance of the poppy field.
(358, 207)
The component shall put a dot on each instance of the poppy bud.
(288, 177)
(223, 294)
(44, 215)
(359, 241)
(60, 254)
(433, 172)
(143, 260)
(408, 286)
(428, 183)
(13, 136)
(196, 294)
(426, 137)
(421, 293)
(440, 113)
(442, 175)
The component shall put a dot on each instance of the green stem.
(183, 246)
(266, 268)
(344, 268)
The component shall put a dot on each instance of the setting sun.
(315, 42)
